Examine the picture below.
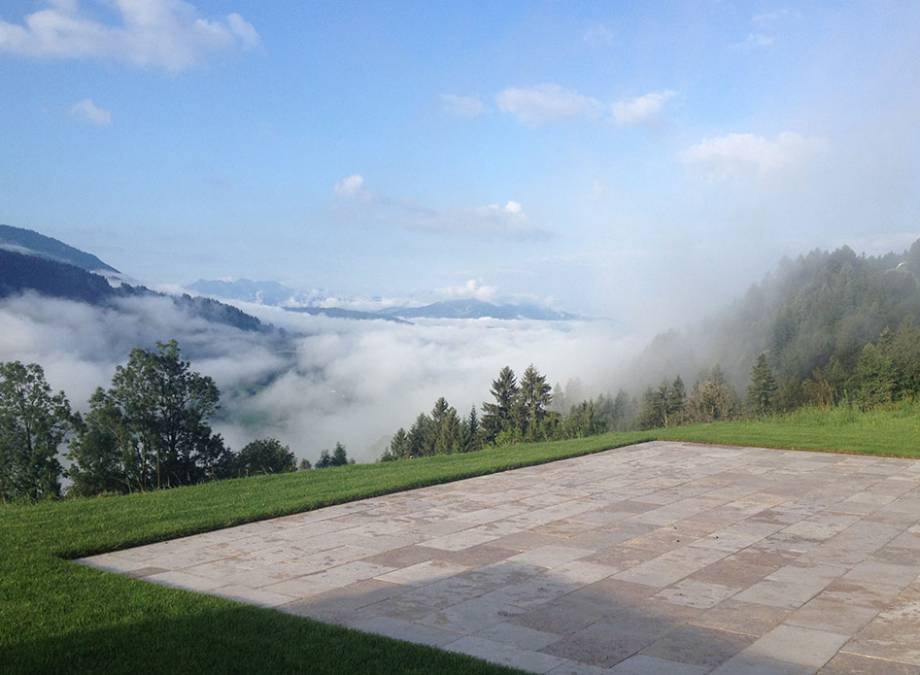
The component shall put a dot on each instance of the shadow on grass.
(229, 639)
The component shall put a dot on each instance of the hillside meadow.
(55, 614)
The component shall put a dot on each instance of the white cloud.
(462, 106)
(168, 34)
(738, 154)
(545, 103)
(755, 41)
(641, 109)
(350, 186)
(472, 288)
(88, 111)
(598, 35)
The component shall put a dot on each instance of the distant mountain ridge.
(477, 309)
(42, 270)
(314, 303)
(21, 240)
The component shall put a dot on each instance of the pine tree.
(339, 455)
(712, 398)
(653, 411)
(535, 397)
(472, 433)
(761, 394)
(875, 377)
(676, 401)
(399, 445)
(447, 428)
(499, 416)
(420, 438)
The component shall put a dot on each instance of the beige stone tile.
(184, 580)
(742, 617)
(253, 596)
(828, 615)
(422, 573)
(851, 664)
(551, 556)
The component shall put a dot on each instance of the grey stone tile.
(505, 654)
(519, 636)
(698, 646)
(699, 594)
(408, 631)
(642, 664)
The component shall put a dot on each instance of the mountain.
(318, 303)
(812, 316)
(22, 271)
(262, 292)
(340, 313)
(32, 243)
(477, 309)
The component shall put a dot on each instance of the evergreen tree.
(421, 437)
(652, 414)
(471, 439)
(33, 423)
(499, 416)
(340, 456)
(676, 402)
(761, 394)
(534, 398)
(304, 465)
(875, 377)
(447, 438)
(399, 445)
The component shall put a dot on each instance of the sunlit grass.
(57, 616)
(892, 431)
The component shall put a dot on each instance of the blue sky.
(607, 157)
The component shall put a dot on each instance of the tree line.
(150, 429)
(887, 370)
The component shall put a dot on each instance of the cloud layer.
(166, 34)
(326, 380)
(547, 102)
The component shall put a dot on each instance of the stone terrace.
(657, 558)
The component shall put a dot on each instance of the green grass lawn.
(889, 432)
(57, 616)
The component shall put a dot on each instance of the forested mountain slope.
(815, 312)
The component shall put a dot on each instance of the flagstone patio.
(656, 558)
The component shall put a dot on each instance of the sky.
(629, 160)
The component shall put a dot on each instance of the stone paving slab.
(656, 558)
